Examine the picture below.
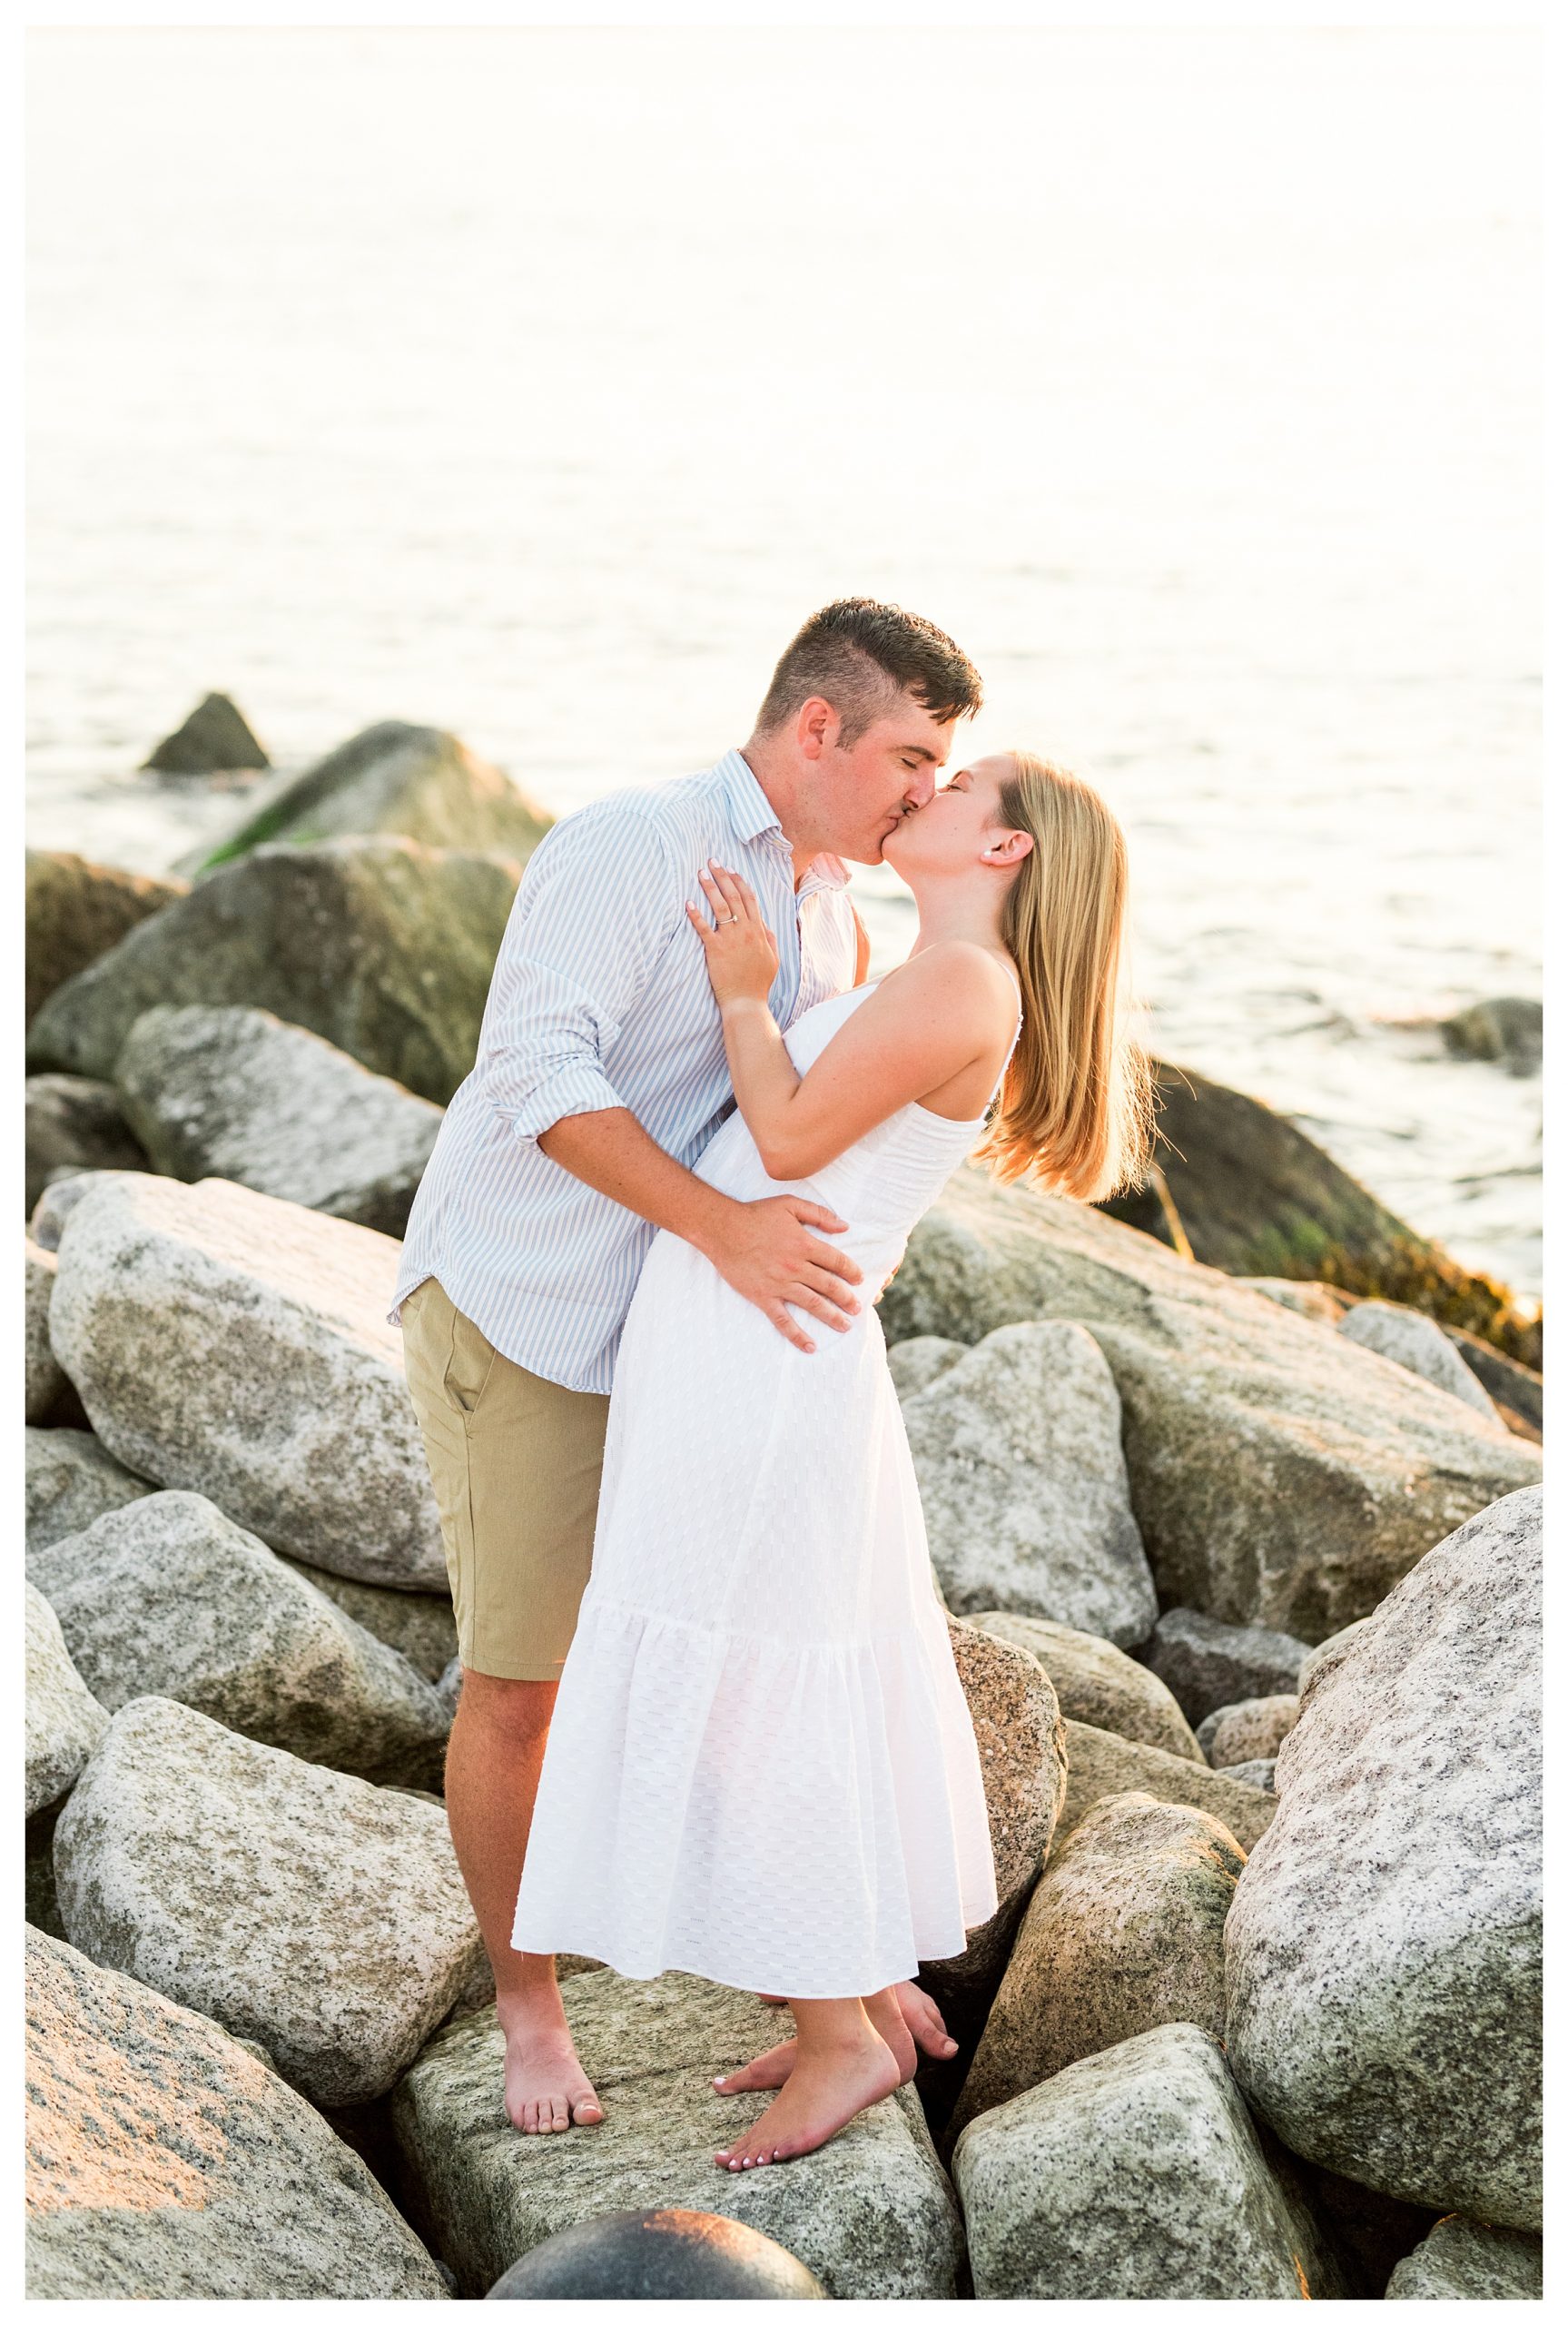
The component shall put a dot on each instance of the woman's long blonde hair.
(1076, 1112)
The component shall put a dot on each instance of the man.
(600, 1078)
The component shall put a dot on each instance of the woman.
(762, 1768)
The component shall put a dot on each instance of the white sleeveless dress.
(762, 1768)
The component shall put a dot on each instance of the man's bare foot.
(772, 2069)
(546, 2089)
(924, 2021)
(826, 2091)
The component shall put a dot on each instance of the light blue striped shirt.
(600, 998)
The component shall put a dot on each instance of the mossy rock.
(1241, 1188)
(407, 782)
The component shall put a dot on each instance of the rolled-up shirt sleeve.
(600, 900)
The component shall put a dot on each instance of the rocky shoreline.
(1244, 1583)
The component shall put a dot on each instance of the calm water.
(535, 383)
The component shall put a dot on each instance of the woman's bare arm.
(948, 1009)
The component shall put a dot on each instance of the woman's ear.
(1007, 848)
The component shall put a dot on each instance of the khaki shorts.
(515, 1462)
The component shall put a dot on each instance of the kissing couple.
(637, 1293)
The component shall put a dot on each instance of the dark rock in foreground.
(670, 2255)
(382, 947)
(165, 2163)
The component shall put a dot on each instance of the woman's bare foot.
(546, 2089)
(923, 2020)
(772, 2069)
(827, 2089)
(921, 2015)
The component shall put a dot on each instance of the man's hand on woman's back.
(766, 1252)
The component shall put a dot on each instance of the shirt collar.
(751, 811)
(752, 817)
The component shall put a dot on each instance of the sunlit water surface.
(536, 383)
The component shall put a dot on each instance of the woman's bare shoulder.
(957, 972)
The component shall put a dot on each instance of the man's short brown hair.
(859, 657)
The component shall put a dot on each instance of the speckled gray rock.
(70, 1481)
(916, 1364)
(1017, 1451)
(1206, 1664)
(1253, 1730)
(1258, 1772)
(383, 947)
(1384, 1952)
(1321, 1301)
(1096, 1682)
(1125, 1931)
(238, 1346)
(1022, 1740)
(58, 1200)
(74, 1125)
(872, 2214)
(1325, 1658)
(1279, 1474)
(418, 1623)
(165, 2162)
(46, 1385)
(235, 1094)
(1406, 1337)
(1134, 2175)
(306, 1910)
(169, 1598)
(1098, 1762)
(65, 1723)
(1462, 2260)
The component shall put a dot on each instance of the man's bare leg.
(493, 1762)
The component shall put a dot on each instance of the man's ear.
(1007, 848)
(817, 727)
